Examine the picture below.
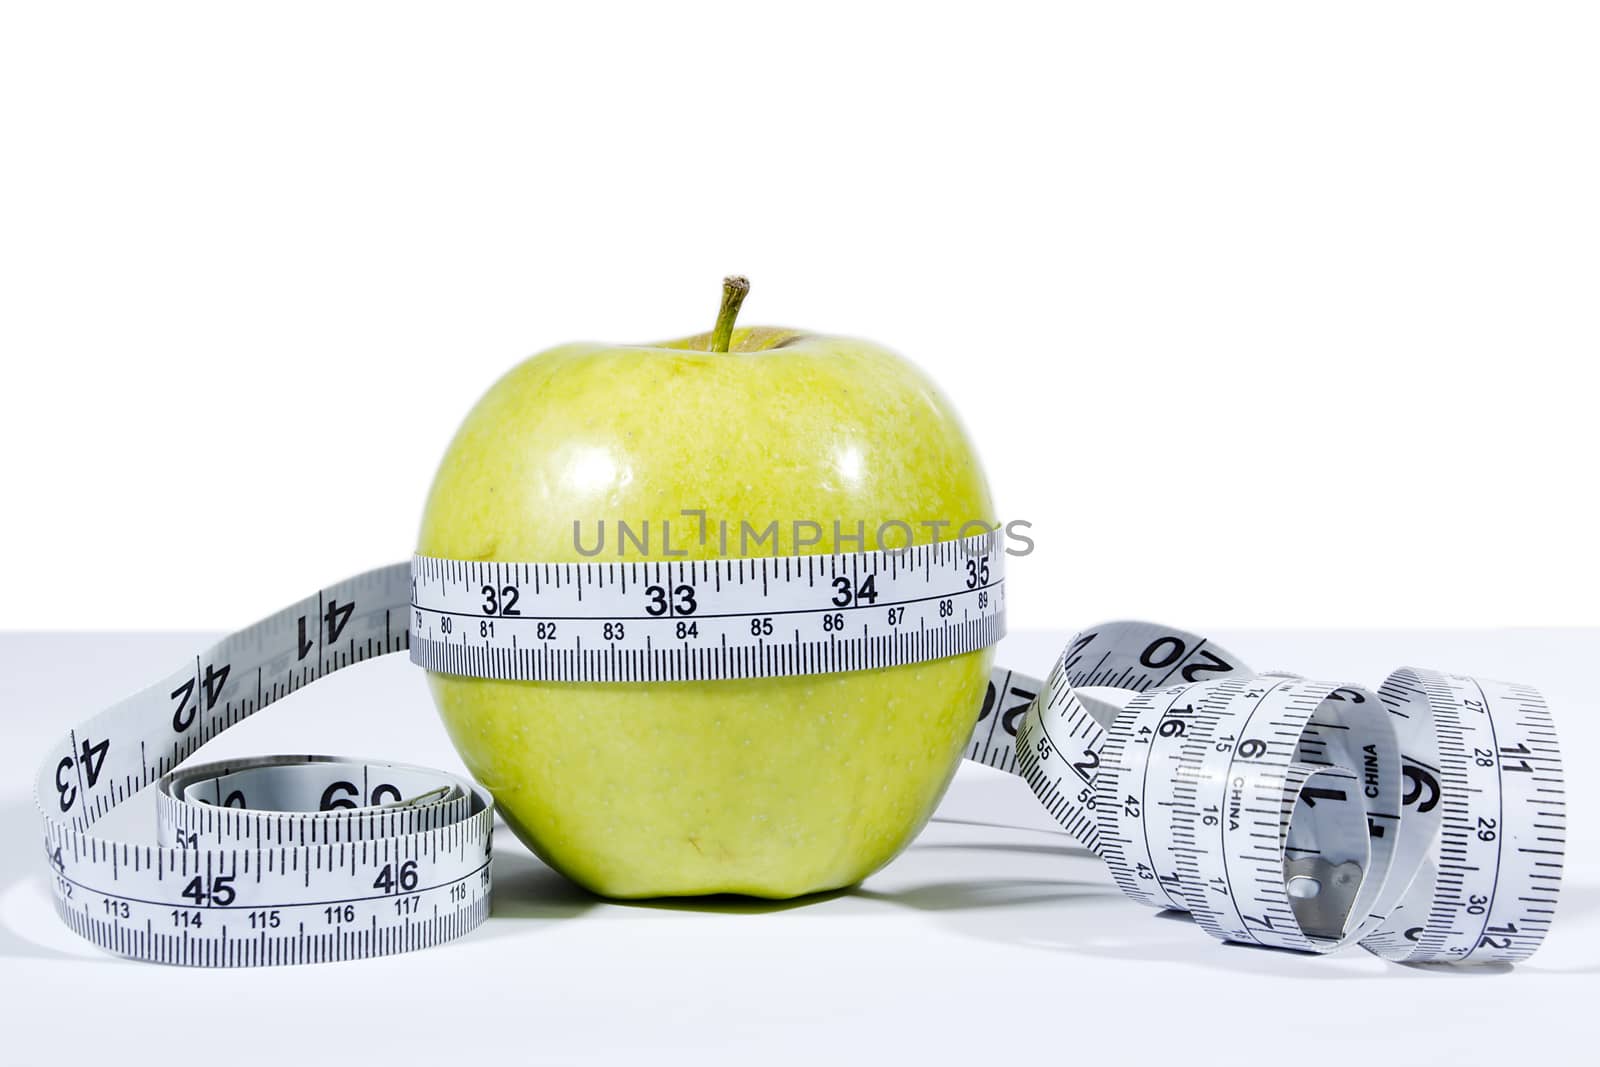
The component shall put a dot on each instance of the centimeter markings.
(1199, 858)
(707, 619)
(1425, 820)
(727, 657)
(305, 858)
(1270, 807)
(1060, 768)
(230, 881)
(186, 947)
(1527, 746)
(1504, 824)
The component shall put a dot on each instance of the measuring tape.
(728, 618)
(1423, 819)
(290, 859)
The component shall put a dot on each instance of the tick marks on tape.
(1422, 819)
(733, 618)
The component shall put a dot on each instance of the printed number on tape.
(1422, 819)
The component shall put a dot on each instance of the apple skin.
(771, 787)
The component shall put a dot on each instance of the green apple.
(772, 787)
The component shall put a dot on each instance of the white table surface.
(982, 941)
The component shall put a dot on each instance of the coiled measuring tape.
(1423, 819)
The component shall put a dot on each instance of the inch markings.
(707, 619)
(277, 860)
(1424, 819)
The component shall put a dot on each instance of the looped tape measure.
(1422, 819)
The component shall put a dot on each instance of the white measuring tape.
(280, 860)
(1423, 819)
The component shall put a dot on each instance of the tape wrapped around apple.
(771, 787)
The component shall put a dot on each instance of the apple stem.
(734, 288)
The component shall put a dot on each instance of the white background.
(1266, 315)
(991, 941)
(1283, 314)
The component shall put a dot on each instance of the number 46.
(402, 881)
